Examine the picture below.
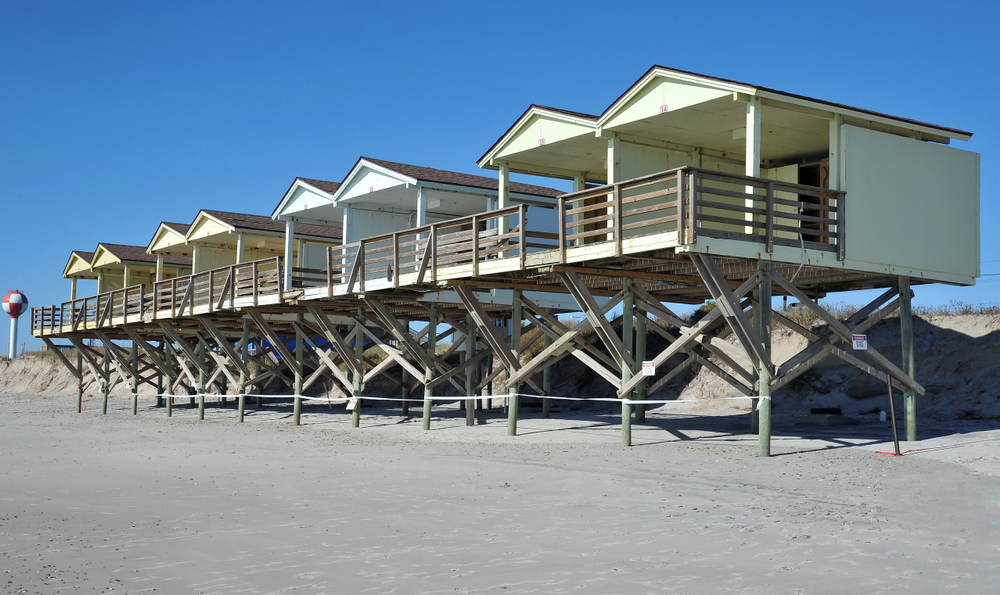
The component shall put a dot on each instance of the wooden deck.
(625, 230)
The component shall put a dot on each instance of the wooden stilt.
(909, 362)
(763, 370)
(515, 350)
(758, 326)
(547, 379)
(244, 349)
(432, 320)
(79, 382)
(470, 376)
(628, 309)
(201, 381)
(297, 404)
(135, 379)
(359, 356)
(404, 405)
(640, 355)
(168, 357)
(159, 378)
(106, 388)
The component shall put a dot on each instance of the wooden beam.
(76, 372)
(585, 300)
(286, 356)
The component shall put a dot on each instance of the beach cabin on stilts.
(687, 188)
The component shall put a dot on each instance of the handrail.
(695, 201)
(208, 291)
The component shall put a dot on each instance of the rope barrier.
(469, 398)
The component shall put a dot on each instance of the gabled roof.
(533, 110)
(167, 229)
(328, 187)
(78, 265)
(321, 187)
(264, 224)
(440, 176)
(663, 70)
(181, 228)
(138, 254)
(722, 87)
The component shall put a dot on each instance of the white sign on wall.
(649, 368)
(860, 342)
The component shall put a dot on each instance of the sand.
(116, 503)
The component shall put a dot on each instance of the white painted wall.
(362, 224)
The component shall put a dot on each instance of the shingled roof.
(328, 187)
(85, 256)
(266, 224)
(181, 228)
(138, 254)
(440, 176)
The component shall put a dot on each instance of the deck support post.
(135, 379)
(159, 377)
(628, 310)
(515, 349)
(763, 322)
(359, 356)
(909, 363)
(244, 349)
(201, 380)
(286, 284)
(405, 403)
(297, 404)
(79, 382)
(470, 373)
(640, 356)
(106, 387)
(168, 356)
(432, 320)
(547, 378)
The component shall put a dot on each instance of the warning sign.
(352, 404)
(649, 368)
(860, 342)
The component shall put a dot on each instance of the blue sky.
(115, 116)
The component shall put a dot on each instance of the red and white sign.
(649, 368)
(352, 404)
(15, 303)
(860, 342)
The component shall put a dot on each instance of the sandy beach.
(116, 503)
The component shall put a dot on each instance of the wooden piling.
(628, 311)
(909, 362)
(764, 374)
(201, 381)
(135, 379)
(79, 383)
(405, 405)
(106, 387)
(640, 356)
(359, 356)
(168, 356)
(432, 320)
(297, 403)
(470, 376)
(547, 379)
(244, 349)
(159, 379)
(515, 348)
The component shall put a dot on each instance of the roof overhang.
(78, 267)
(168, 242)
(549, 142)
(306, 203)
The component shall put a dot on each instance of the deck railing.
(246, 284)
(665, 209)
(691, 202)
(463, 246)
